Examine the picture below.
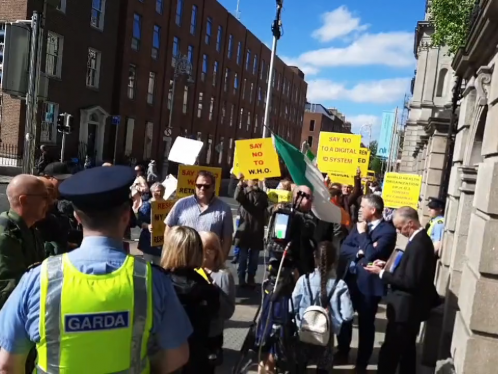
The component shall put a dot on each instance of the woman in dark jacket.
(182, 254)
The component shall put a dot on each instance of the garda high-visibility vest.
(94, 323)
(433, 222)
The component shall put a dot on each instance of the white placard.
(185, 151)
(170, 184)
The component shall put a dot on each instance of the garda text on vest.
(96, 321)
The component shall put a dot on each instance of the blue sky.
(357, 55)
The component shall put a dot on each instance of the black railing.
(10, 155)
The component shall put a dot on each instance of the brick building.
(316, 119)
(137, 44)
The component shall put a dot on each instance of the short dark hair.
(375, 201)
(336, 185)
(206, 174)
(102, 219)
(335, 192)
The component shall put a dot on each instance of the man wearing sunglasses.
(203, 211)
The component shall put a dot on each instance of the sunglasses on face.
(203, 186)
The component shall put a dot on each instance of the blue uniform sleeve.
(437, 232)
(171, 325)
(19, 317)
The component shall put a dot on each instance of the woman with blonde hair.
(182, 254)
(217, 274)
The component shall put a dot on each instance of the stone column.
(408, 161)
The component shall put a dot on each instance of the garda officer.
(96, 309)
(435, 227)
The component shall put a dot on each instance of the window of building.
(223, 112)
(156, 42)
(170, 94)
(179, 12)
(199, 105)
(227, 79)
(312, 125)
(176, 50)
(231, 114)
(93, 68)
(149, 130)
(48, 133)
(185, 99)
(137, 32)
(204, 67)
(220, 150)
(98, 14)
(262, 72)
(190, 54)
(255, 65)
(241, 117)
(255, 124)
(130, 127)
(132, 81)
(159, 6)
(230, 151)
(441, 83)
(251, 92)
(244, 89)
(235, 83)
(310, 141)
(278, 81)
(248, 60)
(239, 53)
(193, 19)
(199, 136)
(230, 45)
(211, 108)
(209, 149)
(248, 126)
(215, 72)
(53, 60)
(260, 97)
(219, 37)
(62, 6)
(150, 88)
(209, 30)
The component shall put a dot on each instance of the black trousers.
(399, 349)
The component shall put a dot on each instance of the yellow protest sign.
(235, 166)
(401, 190)
(187, 175)
(363, 161)
(341, 178)
(257, 158)
(159, 211)
(338, 152)
(279, 196)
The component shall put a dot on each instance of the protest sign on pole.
(159, 211)
(401, 190)
(257, 158)
(187, 175)
(338, 152)
(279, 196)
(235, 167)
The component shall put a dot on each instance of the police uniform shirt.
(98, 255)
(438, 229)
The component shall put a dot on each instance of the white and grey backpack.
(316, 326)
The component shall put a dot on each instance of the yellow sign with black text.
(279, 196)
(257, 158)
(338, 152)
(401, 190)
(348, 179)
(187, 175)
(158, 212)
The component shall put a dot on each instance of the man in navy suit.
(370, 240)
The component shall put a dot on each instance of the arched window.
(441, 83)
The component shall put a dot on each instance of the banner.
(279, 196)
(401, 190)
(187, 175)
(386, 134)
(159, 211)
(338, 152)
(257, 158)
(348, 179)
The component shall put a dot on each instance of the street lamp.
(182, 67)
(367, 127)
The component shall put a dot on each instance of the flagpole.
(277, 33)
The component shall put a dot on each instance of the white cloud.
(393, 49)
(378, 92)
(338, 23)
(306, 69)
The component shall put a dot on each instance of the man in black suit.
(410, 275)
(369, 240)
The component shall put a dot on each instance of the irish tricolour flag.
(304, 172)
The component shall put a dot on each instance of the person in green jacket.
(21, 246)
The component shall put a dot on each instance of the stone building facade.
(425, 137)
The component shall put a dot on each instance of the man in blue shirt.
(435, 227)
(100, 197)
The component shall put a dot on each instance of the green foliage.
(451, 22)
(375, 162)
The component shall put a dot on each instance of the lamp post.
(367, 127)
(181, 67)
